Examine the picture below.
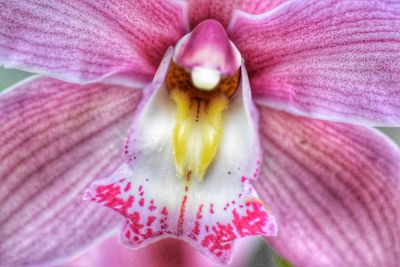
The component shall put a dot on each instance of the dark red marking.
(211, 207)
(141, 202)
(253, 222)
(221, 235)
(248, 218)
(150, 220)
(164, 211)
(199, 212)
(128, 234)
(182, 216)
(220, 239)
(134, 224)
(108, 195)
(127, 187)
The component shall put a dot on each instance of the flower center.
(201, 80)
(199, 118)
(197, 122)
(205, 79)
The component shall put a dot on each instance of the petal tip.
(210, 41)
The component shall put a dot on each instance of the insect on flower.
(253, 114)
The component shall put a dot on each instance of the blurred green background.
(9, 77)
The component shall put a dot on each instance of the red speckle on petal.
(127, 235)
(134, 222)
(199, 211)
(127, 187)
(150, 220)
(164, 211)
(196, 230)
(220, 239)
(182, 215)
(253, 222)
(108, 195)
(211, 208)
(212, 226)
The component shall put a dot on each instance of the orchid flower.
(253, 114)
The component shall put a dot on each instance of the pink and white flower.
(244, 103)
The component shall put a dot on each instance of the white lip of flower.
(189, 157)
(205, 79)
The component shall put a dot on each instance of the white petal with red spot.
(209, 214)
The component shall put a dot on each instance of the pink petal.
(84, 41)
(200, 10)
(55, 139)
(336, 60)
(158, 203)
(165, 253)
(335, 189)
(210, 41)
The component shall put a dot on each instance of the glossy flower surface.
(314, 75)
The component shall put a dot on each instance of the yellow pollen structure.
(199, 120)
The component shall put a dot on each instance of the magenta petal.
(55, 139)
(165, 253)
(335, 191)
(208, 40)
(200, 10)
(336, 60)
(84, 41)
